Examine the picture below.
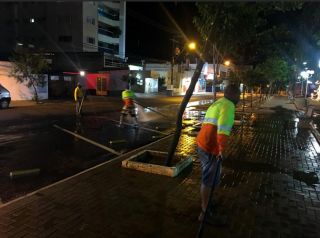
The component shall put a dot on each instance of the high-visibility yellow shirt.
(216, 126)
(127, 97)
(77, 93)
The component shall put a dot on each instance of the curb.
(314, 131)
(172, 171)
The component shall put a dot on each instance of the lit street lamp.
(305, 75)
(82, 73)
(227, 62)
(192, 46)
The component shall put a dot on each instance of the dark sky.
(149, 29)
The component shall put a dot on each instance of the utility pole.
(214, 73)
(172, 60)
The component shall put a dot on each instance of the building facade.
(64, 26)
(77, 36)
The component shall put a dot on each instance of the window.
(108, 30)
(109, 48)
(91, 20)
(54, 77)
(65, 38)
(108, 12)
(91, 40)
(67, 78)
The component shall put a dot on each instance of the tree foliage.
(29, 67)
(263, 35)
(276, 71)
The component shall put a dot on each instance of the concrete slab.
(143, 162)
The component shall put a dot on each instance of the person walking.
(128, 97)
(211, 141)
(78, 97)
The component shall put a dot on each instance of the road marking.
(120, 157)
(140, 127)
(87, 140)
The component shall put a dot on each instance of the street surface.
(270, 188)
(44, 136)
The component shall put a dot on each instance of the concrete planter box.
(151, 161)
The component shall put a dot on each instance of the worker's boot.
(121, 121)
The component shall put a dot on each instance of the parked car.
(5, 97)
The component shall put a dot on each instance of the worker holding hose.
(211, 141)
(128, 97)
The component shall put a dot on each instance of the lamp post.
(215, 62)
(306, 75)
(191, 46)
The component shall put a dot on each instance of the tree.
(276, 71)
(183, 106)
(29, 67)
(233, 30)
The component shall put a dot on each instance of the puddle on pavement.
(310, 178)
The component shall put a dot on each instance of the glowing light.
(134, 67)
(304, 74)
(310, 71)
(82, 73)
(304, 63)
(227, 62)
(32, 20)
(192, 46)
(19, 43)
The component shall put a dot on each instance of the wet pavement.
(270, 187)
(38, 144)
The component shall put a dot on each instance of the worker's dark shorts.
(129, 110)
(208, 167)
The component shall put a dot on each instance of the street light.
(192, 46)
(305, 75)
(82, 73)
(227, 62)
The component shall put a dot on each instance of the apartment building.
(77, 36)
(64, 26)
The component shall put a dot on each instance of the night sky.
(149, 29)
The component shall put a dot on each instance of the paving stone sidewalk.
(270, 188)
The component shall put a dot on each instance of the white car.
(5, 97)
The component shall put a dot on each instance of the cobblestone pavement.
(270, 188)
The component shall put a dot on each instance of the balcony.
(107, 33)
(108, 39)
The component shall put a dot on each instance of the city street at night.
(269, 183)
(32, 137)
(168, 119)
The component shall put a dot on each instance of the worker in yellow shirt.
(128, 97)
(211, 141)
(78, 98)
